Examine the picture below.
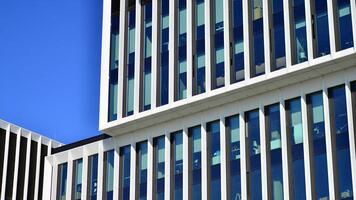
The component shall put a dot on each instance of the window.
(147, 57)
(218, 71)
(353, 94)
(295, 148)
(77, 179)
(93, 177)
(253, 155)
(62, 181)
(339, 131)
(114, 59)
(33, 168)
(195, 159)
(108, 175)
(181, 78)
(22, 168)
(344, 22)
(159, 171)
(278, 60)
(142, 170)
(238, 41)
(233, 138)
(258, 61)
(177, 161)
(299, 33)
(320, 27)
(316, 127)
(163, 46)
(199, 61)
(11, 167)
(213, 131)
(2, 151)
(274, 145)
(124, 190)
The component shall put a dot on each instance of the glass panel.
(258, 66)
(164, 39)
(295, 134)
(279, 54)
(77, 179)
(213, 131)
(345, 24)
(254, 155)
(33, 168)
(233, 133)
(339, 128)
(93, 177)
(130, 65)
(62, 181)
(147, 56)
(142, 170)
(109, 175)
(195, 171)
(300, 32)
(353, 92)
(125, 158)
(159, 167)
(11, 168)
(273, 126)
(238, 41)
(22, 166)
(321, 28)
(182, 50)
(218, 70)
(316, 127)
(177, 152)
(199, 84)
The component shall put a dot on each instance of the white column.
(133, 172)
(266, 35)
(6, 156)
(227, 40)
(190, 63)
(27, 170)
(246, 36)
(69, 177)
(100, 182)
(138, 56)
(204, 162)
(243, 141)
(172, 50)
(116, 173)
(17, 160)
(224, 160)
(331, 22)
(155, 51)
(85, 175)
(308, 22)
(351, 129)
(48, 180)
(54, 183)
(38, 163)
(264, 161)
(287, 31)
(167, 168)
(208, 53)
(186, 170)
(150, 178)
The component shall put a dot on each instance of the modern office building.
(219, 99)
(22, 154)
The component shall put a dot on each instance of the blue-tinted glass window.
(199, 64)
(159, 167)
(339, 128)
(125, 161)
(164, 39)
(177, 152)
(233, 134)
(254, 155)
(238, 41)
(258, 61)
(93, 177)
(218, 70)
(279, 53)
(353, 94)
(147, 56)
(316, 126)
(109, 175)
(213, 131)
(195, 171)
(295, 137)
(142, 170)
(300, 33)
(130, 64)
(345, 24)
(321, 28)
(273, 126)
(77, 179)
(182, 50)
(62, 181)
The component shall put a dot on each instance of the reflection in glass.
(253, 154)
(258, 66)
(77, 179)
(195, 171)
(339, 130)
(199, 65)
(321, 28)
(233, 135)
(147, 56)
(142, 170)
(345, 24)
(213, 131)
(177, 152)
(238, 41)
(218, 70)
(109, 175)
(125, 161)
(62, 181)
(92, 177)
(300, 32)
(159, 172)
(182, 50)
(316, 126)
(295, 137)
(279, 54)
(163, 46)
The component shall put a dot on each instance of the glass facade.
(214, 188)
(253, 155)
(238, 41)
(339, 131)
(142, 170)
(353, 94)
(147, 56)
(159, 172)
(108, 175)
(258, 66)
(218, 71)
(62, 181)
(195, 159)
(343, 13)
(182, 50)
(77, 179)
(177, 161)
(125, 170)
(299, 32)
(93, 177)
(164, 53)
(199, 58)
(278, 58)
(316, 127)
(321, 28)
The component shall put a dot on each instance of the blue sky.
(50, 66)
